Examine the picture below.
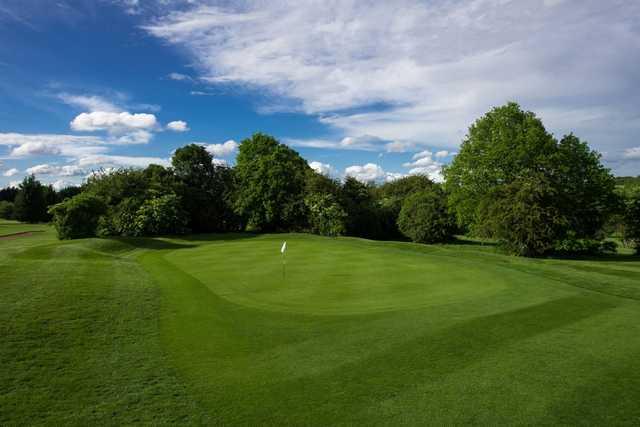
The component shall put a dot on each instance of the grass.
(206, 330)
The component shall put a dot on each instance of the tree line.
(512, 181)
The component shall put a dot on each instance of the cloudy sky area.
(372, 89)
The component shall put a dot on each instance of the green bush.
(575, 246)
(632, 222)
(326, 216)
(160, 215)
(424, 217)
(78, 217)
(6, 209)
(522, 216)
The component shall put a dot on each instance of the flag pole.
(283, 251)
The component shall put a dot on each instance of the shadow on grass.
(426, 359)
(600, 258)
(150, 243)
(217, 237)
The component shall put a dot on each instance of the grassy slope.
(356, 332)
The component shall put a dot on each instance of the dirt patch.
(16, 235)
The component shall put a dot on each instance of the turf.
(210, 330)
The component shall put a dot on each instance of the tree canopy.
(271, 180)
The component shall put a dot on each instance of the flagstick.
(284, 262)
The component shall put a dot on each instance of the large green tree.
(271, 184)
(586, 195)
(204, 187)
(424, 217)
(30, 204)
(509, 149)
(502, 146)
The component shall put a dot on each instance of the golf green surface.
(214, 330)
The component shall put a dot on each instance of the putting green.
(338, 276)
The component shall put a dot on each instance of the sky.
(372, 89)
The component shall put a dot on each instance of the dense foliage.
(632, 222)
(271, 179)
(6, 209)
(326, 216)
(424, 217)
(31, 201)
(78, 217)
(205, 189)
(513, 181)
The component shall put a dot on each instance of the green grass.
(206, 330)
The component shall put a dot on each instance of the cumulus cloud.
(65, 170)
(424, 164)
(222, 150)
(113, 122)
(375, 68)
(178, 126)
(11, 172)
(371, 172)
(50, 144)
(323, 168)
(62, 184)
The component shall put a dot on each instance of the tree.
(204, 188)
(326, 216)
(6, 209)
(505, 144)
(78, 216)
(9, 194)
(271, 181)
(357, 200)
(160, 215)
(523, 215)
(632, 222)
(586, 195)
(30, 204)
(509, 147)
(425, 218)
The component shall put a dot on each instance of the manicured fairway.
(208, 330)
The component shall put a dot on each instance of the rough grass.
(209, 331)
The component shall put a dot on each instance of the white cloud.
(11, 172)
(632, 153)
(178, 126)
(65, 170)
(371, 172)
(365, 173)
(424, 164)
(219, 162)
(222, 150)
(51, 144)
(428, 69)
(179, 77)
(105, 160)
(362, 143)
(113, 122)
(61, 184)
(323, 168)
(442, 153)
(89, 102)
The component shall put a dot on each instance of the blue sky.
(372, 89)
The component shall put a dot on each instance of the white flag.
(283, 248)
